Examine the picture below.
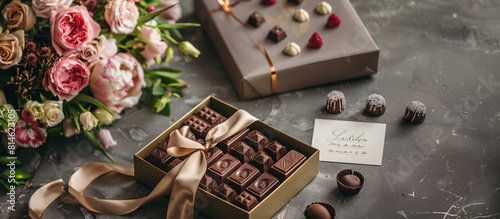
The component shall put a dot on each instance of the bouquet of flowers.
(69, 67)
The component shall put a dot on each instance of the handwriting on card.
(343, 141)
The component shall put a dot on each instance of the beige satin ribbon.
(227, 7)
(181, 182)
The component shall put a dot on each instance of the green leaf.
(5, 185)
(93, 139)
(54, 131)
(83, 98)
(19, 175)
(76, 120)
(136, 51)
(5, 160)
(151, 16)
(132, 43)
(170, 55)
(165, 27)
(166, 110)
(157, 88)
(164, 74)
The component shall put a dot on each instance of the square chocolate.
(209, 115)
(276, 34)
(262, 161)
(159, 158)
(243, 177)
(228, 144)
(246, 201)
(285, 167)
(256, 19)
(222, 168)
(197, 125)
(257, 140)
(226, 192)
(263, 186)
(243, 152)
(208, 184)
(275, 150)
(212, 155)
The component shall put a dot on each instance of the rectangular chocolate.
(227, 144)
(246, 201)
(243, 177)
(212, 155)
(209, 115)
(197, 125)
(348, 51)
(287, 165)
(263, 186)
(222, 168)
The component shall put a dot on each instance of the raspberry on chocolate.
(316, 41)
(333, 21)
(268, 2)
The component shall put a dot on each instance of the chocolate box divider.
(211, 205)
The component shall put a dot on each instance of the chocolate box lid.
(348, 50)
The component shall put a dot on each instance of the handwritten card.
(349, 142)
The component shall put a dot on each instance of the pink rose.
(72, 28)
(173, 14)
(152, 34)
(121, 15)
(44, 8)
(117, 81)
(67, 78)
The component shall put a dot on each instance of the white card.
(349, 142)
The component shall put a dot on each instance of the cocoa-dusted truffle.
(415, 112)
(319, 210)
(335, 102)
(375, 105)
(350, 182)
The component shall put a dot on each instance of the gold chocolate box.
(215, 207)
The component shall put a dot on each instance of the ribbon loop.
(181, 182)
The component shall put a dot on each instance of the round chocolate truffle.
(319, 210)
(335, 102)
(415, 112)
(350, 182)
(375, 105)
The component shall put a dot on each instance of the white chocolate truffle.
(301, 15)
(292, 49)
(323, 8)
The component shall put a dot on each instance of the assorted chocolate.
(415, 112)
(335, 102)
(276, 34)
(375, 105)
(256, 19)
(350, 182)
(242, 169)
(319, 210)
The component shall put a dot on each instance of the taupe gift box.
(348, 51)
(215, 207)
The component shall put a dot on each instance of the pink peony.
(67, 78)
(118, 81)
(44, 8)
(29, 132)
(157, 47)
(72, 28)
(121, 15)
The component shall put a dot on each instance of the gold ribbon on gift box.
(181, 182)
(227, 7)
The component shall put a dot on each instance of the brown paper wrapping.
(348, 51)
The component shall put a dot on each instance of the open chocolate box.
(288, 183)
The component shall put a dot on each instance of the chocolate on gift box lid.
(348, 51)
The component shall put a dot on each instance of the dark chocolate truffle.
(276, 34)
(350, 182)
(415, 112)
(335, 102)
(375, 105)
(297, 2)
(319, 210)
(256, 19)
